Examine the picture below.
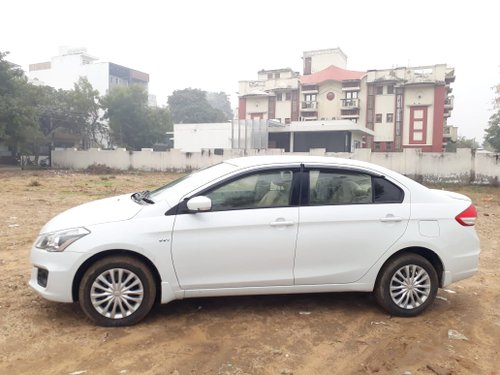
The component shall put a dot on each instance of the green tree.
(464, 142)
(492, 132)
(86, 107)
(190, 106)
(76, 113)
(18, 102)
(132, 123)
(220, 101)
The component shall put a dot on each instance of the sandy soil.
(298, 334)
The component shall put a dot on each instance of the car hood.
(106, 210)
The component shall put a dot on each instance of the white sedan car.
(259, 225)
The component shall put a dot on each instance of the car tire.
(117, 291)
(406, 285)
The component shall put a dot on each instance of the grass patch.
(101, 169)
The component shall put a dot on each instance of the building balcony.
(351, 88)
(450, 133)
(308, 117)
(349, 115)
(351, 85)
(350, 103)
(309, 89)
(448, 102)
(308, 106)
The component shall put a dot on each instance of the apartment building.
(273, 96)
(63, 70)
(396, 108)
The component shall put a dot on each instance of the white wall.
(329, 109)
(257, 104)
(463, 166)
(283, 109)
(384, 104)
(195, 137)
(323, 59)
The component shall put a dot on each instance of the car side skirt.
(293, 289)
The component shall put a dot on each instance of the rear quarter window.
(385, 191)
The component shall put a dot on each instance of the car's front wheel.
(406, 285)
(117, 291)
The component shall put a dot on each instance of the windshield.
(176, 189)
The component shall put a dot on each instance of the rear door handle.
(281, 223)
(391, 219)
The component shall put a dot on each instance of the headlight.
(60, 240)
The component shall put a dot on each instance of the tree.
(132, 123)
(492, 136)
(463, 142)
(85, 104)
(75, 112)
(18, 100)
(190, 106)
(220, 101)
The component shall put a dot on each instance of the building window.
(351, 95)
(276, 75)
(310, 97)
(269, 75)
(390, 89)
(288, 96)
(388, 146)
(279, 97)
(389, 117)
(377, 146)
(378, 118)
(379, 90)
(287, 120)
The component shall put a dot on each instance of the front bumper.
(61, 268)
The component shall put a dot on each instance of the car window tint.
(386, 192)
(265, 189)
(337, 187)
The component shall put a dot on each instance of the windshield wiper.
(142, 196)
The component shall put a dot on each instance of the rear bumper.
(461, 267)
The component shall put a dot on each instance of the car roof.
(250, 161)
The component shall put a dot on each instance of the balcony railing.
(309, 105)
(350, 103)
(349, 115)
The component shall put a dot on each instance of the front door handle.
(391, 219)
(281, 223)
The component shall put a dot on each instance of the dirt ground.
(341, 333)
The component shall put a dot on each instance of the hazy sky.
(213, 44)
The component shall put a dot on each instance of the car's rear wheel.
(117, 291)
(406, 285)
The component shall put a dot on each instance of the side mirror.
(198, 204)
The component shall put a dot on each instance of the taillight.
(468, 217)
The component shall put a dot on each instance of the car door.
(348, 220)
(248, 237)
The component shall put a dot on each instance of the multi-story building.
(397, 108)
(64, 70)
(409, 107)
(274, 95)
